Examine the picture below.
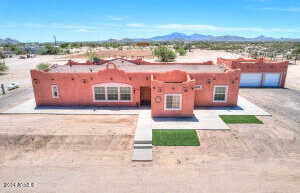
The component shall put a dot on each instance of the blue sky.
(71, 20)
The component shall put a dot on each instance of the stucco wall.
(256, 65)
(204, 96)
(77, 88)
(166, 83)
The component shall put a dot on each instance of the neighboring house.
(172, 89)
(258, 72)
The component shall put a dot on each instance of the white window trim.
(172, 109)
(226, 92)
(52, 86)
(112, 84)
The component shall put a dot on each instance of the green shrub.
(3, 67)
(181, 51)
(296, 50)
(75, 45)
(42, 66)
(19, 51)
(64, 45)
(2, 56)
(92, 56)
(164, 54)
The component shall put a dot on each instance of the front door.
(145, 96)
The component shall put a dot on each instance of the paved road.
(15, 97)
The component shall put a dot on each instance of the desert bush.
(2, 56)
(92, 56)
(296, 51)
(19, 51)
(49, 50)
(181, 51)
(42, 66)
(64, 45)
(75, 45)
(164, 54)
(3, 67)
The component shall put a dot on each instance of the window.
(173, 101)
(112, 93)
(54, 91)
(125, 93)
(220, 93)
(198, 87)
(99, 93)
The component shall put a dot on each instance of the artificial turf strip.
(174, 137)
(249, 119)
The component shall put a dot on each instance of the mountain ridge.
(200, 37)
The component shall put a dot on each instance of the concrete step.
(143, 141)
(142, 155)
(142, 146)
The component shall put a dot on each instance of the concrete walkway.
(244, 108)
(143, 138)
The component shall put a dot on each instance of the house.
(258, 72)
(172, 89)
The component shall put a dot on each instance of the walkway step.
(142, 155)
(142, 146)
(143, 141)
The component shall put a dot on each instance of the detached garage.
(258, 72)
(250, 79)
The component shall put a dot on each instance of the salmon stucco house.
(172, 89)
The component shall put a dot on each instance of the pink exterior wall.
(77, 88)
(204, 96)
(174, 82)
(256, 65)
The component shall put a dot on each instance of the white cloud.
(287, 9)
(135, 25)
(223, 29)
(113, 18)
(84, 30)
(183, 26)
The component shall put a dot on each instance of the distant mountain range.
(9, 41)
(200, 37)
(187, 38)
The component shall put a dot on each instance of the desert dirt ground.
(92, 153)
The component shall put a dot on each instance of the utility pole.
(54, 37)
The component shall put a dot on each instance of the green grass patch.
(174, 137)
(231, 119)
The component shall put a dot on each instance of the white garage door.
(250, 79)
(271, 79)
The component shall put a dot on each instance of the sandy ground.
(146, 53)
(92, 153)
(19, 69)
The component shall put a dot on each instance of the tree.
(92, 56)
(164, 54)
(181, 51)
(19, 51)
(296, 51)
(75, 45)
(3, 67)
(42, 66)
(64, 45)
